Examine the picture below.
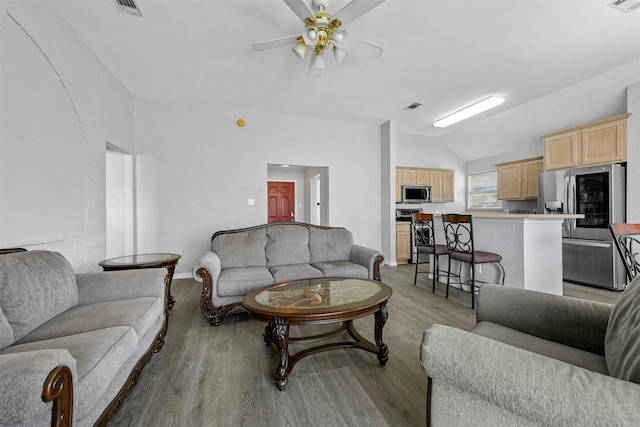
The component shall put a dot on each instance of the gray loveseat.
(537, 359)
(73, 345)
(246, 259)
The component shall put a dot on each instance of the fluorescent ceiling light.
(471, 110)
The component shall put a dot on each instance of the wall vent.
(625, 5)
(128, 6)
(417, 104)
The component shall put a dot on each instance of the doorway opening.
(119, 203)
(311, 191)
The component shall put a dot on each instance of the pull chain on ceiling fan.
(323, 32)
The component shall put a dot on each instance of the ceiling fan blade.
(355, 9)
(300, 8)
(270, 44)
(372, 52)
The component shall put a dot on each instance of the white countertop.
(500, 215)
(527, 216)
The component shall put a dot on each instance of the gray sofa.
(246, 259)
(537, 359)
(73, 345)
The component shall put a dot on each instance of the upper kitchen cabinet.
(597, 143)
(519, 180)
(441, 181)
(604, 142)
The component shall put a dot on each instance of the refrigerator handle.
(571, 201)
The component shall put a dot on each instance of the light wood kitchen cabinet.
(442, 182)
(423, 177)
(408, 177)
(436, 185)
(562, 151)
(403, 242)
(519, 180)
(604, 143)
(530, 171)
(596, 143)
(448, 186)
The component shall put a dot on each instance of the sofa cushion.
(139, 313)
(100, 355)
(593, 362)
(342, 269)
(35, 287)
(330, 245)
(622, 340)
(241, 249)
(283, 273)
(239, 281)
(287, 244)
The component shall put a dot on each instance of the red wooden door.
(281, 196)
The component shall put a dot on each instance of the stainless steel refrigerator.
(589, 255)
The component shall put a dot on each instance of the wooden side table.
(156, 260)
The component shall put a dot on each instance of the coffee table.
(156, 260)
(319, 301)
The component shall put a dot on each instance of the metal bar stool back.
(627, 238)
(425, 242)
(458, 231)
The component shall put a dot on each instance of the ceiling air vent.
(417, 104)
(128, 6)
(625, 5)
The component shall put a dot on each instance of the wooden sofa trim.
(213, 313)
(58, 388)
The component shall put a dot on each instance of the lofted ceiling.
(444, 54)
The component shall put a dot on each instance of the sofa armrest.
(122, 284)
(211, 261)
(22, 376)
(537, 388)
(367, 257)
(571, 321)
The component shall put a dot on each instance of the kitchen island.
(530, 245)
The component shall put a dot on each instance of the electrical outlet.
(478, 268)
(251, 202)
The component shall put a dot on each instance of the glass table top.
(140, 259)
(318, 293)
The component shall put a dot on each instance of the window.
(483, 191)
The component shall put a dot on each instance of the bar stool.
(458, 231)
(425, 241)
(627, 239)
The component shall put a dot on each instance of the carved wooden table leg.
(381, 318)
(280, 337)
(268, 333)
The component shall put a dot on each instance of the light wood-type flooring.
(222, 376)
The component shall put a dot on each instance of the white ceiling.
(444, 54)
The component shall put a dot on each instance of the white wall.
(428, 152)
(197, 168)
(70, 106)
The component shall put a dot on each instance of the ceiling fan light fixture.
(300, 49)
(339, 38)
(317, 62)
(339, 54)
(469, 111)
(310, 36)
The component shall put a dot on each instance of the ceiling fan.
(323, 31)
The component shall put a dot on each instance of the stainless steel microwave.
(416, 194)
